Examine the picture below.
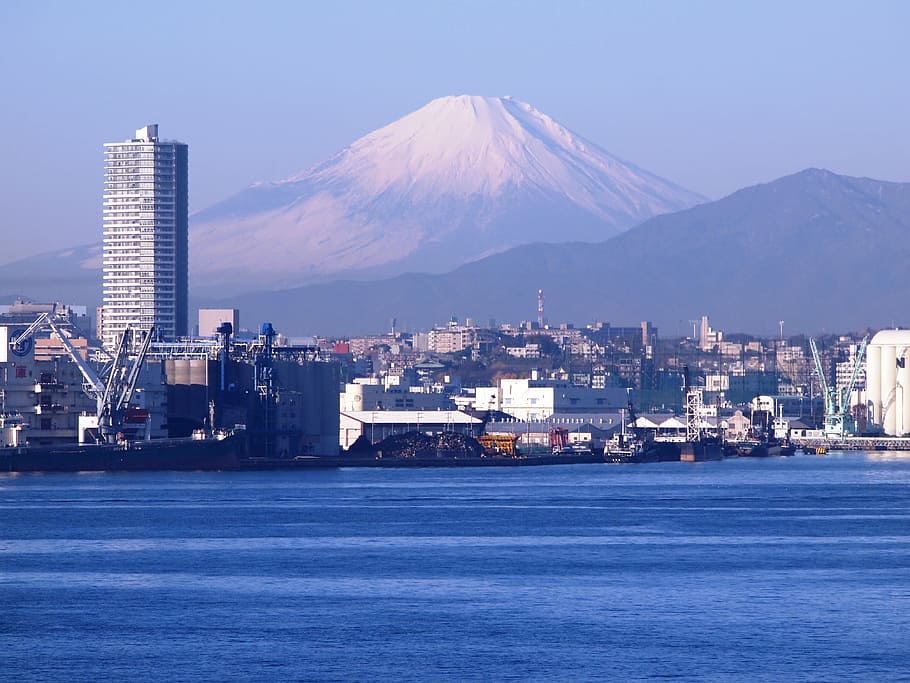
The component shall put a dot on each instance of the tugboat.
(764, 442)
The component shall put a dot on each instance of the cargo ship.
(193, 453)
(702, 450)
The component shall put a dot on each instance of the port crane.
(112, 396)
(113, 393)
(838, 421)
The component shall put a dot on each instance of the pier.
(855, 443)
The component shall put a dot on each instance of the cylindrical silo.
(181, 371)
(902, 394)
(169, 370)
(889, 384)
(198, 371)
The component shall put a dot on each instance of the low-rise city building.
(537, 399)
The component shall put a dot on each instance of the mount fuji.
(461, 178)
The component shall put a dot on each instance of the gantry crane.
(838, 421)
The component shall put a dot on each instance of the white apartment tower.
(146, 224)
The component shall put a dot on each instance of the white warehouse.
(888, 381)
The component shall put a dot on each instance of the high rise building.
(146, 224)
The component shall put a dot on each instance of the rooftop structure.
(210, 319)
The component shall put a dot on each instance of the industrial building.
(285, 399)
(888, 381)
(23, 312)
(42, 401)
(145, 253)
(590, 430)
(369, 394)
(377, 425)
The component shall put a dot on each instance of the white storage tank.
(888, 381)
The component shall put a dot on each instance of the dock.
(854, 443)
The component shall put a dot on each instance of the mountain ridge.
(817, 249)
(459, 178)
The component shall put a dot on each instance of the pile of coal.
(419, 445)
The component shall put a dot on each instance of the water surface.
(774, 569)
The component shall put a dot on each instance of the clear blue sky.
(712, 95)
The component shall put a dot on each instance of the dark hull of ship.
(231, 454)
(701, 451)
(766, 450)
(651, 451)
(164, 454)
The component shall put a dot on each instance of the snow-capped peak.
(465, 144)
(460, 177)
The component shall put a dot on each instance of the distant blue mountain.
(819, 250)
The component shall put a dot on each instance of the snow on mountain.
(458, 179)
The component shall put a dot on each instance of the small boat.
(754, 448)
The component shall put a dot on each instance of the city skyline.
(752, 92)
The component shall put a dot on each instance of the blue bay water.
(774, 569)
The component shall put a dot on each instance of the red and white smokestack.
(540, 308)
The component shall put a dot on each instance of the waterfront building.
(145, 221)
(586, 429)
(365, 394)
(42, 401)
(40, 395)
(377, 425)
